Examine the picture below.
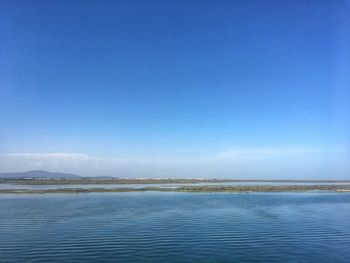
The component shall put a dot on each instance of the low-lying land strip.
(196, 189)
(151, 181)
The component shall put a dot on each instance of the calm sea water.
(137, 186)
(175, 227)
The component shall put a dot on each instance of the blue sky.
(239, 89)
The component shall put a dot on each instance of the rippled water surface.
(175, 227)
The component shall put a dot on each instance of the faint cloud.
(69, 156)
(270, 152)
(235, 163)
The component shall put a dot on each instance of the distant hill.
(38, 174)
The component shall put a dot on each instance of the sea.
(175, 227)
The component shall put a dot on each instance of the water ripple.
(178, 227)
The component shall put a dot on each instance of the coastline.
(31, 181)
(191, 189)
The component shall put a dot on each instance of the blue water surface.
(175, 227)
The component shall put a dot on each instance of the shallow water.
(138, 186)
(175, 227)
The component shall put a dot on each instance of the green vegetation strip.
(193, 189)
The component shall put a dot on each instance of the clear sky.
(225, 89)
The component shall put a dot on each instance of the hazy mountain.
(38, 174)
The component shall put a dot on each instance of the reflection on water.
(175, 227)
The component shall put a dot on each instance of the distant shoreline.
(60, 181)
(191, 189)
